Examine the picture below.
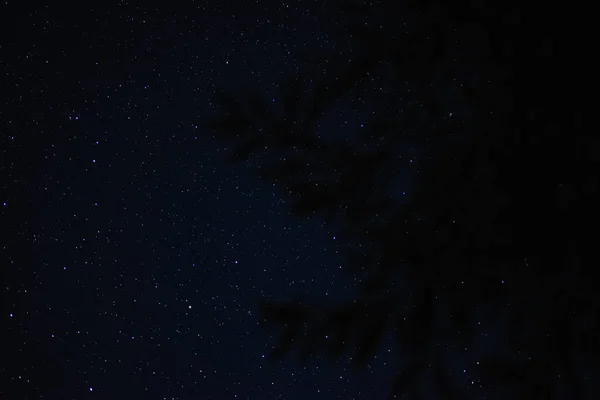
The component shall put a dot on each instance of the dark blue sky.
(134, 255)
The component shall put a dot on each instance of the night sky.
(133, 254)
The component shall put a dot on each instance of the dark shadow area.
(498, 219)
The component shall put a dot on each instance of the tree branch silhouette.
(475, 233)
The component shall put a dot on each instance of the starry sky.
(133, 253)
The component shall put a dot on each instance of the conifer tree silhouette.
(498, 219)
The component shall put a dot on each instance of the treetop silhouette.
(496, 223)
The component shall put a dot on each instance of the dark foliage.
(499, 219)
